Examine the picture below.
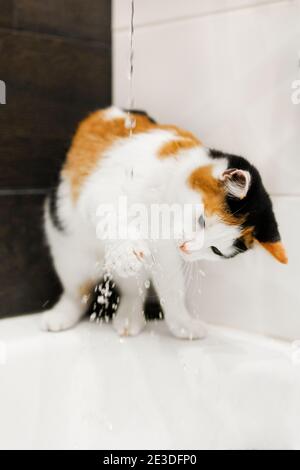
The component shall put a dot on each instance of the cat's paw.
(128, 326)
(129, 321)
(188, 328)
(126, 258)
(57, 319)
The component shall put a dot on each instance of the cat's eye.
(216, 251)
(201, 221)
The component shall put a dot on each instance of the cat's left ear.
(268, 236)
(237, 182)
(277, 250)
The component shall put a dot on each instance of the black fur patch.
(256, 207)
(105, 311)
(52, 198)
(239, 247)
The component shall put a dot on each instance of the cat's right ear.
(236, 182)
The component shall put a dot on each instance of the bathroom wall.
(56, 63)
(225, 70)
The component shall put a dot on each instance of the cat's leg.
(129, 319)
(77, 270)
(168, 281)
(64, 315)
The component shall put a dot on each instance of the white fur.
(79, 257)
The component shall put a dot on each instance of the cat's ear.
(277, 250)
(268, 236)
(237, 182)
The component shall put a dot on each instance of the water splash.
(105, 300)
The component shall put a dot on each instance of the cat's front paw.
(126, 258)
(127, 326)
(130, 319)
(58, 319)
(188, 328)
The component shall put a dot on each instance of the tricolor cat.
(167, 165)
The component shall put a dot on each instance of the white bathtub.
(88, 389)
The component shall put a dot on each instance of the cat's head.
(237, 211)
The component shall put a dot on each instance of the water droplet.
(147, 284)
(93, 316)
(130, 122)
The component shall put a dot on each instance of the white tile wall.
(224, 70)
(157, 11)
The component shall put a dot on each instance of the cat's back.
(103, 139)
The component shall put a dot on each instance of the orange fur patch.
(277, 250)
(213, 194)
(96, 134)
(248, 236)
(174, 146)
(93, 137)
(85, 291)
(183, 140)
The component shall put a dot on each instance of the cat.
(156, 164)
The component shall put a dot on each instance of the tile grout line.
(57, 37)
(23, 192)
(44, 191)
(175, 20)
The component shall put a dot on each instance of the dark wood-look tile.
(6, 13)
(28, 281)
(64, 69)
(52, 83)
(85, 19)
(56, 62)
(35, 134)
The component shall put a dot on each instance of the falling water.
(105, 289)
(130, 121)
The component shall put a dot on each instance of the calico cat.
(169, 165)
